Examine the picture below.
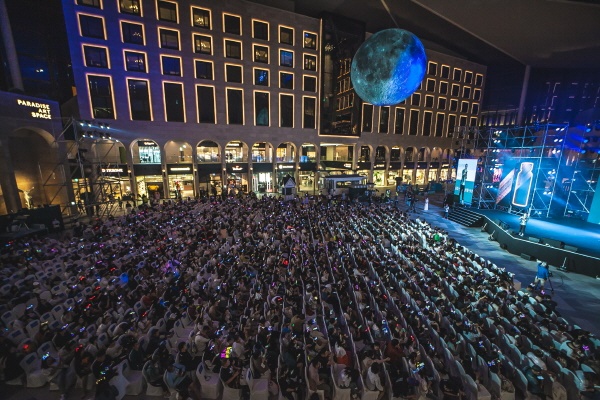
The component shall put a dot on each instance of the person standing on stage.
(523, 222)
(541, 276)
(463, 183)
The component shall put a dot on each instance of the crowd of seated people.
(243, 297)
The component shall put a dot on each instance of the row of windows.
(201, 18)
(454, 91)
(92, 27)
(102, 103)
(347, 101)
(457, 74)
(415, 120)
(136, 62)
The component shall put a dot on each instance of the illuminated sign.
(286, 166)
(179, 169)
(150, 144)
(380, 166)
(237, 168)
(348, 165)
(42, 110)
(112, 170)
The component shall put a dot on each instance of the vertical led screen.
(465, 180)
(517, 183)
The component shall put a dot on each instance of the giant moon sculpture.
(388, 67)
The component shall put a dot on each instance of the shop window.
(130, 7)
(233, 73)
(261, 54)
(201, 18)
(443, 87)
(310, 84)
(286, 58)
(260, 30)
(204, 69)
(478, 80)
(427, 117)
(261, 77)
(429, 101)
(171, 65)
(457, 74)
(139, 100)
(169, 39)
(167, 11)
(202, 44)
(286, 111)
(310, 62)
(90, 3)
(233, 49)
(441, 103)
(100, 90)
(455, 90)
(92, 27)
(367, 120)
(286, 35)
(132, 33)
(235, 107)
(399, 123)
(445, 72)
(453, 105)
(415, 99)
(431, 68)
(413, 123)
(95, 56)
(430, 85)
(384, 119)
(309, 113)
(439, 125)
(464, 107)
(205, 98)
(173, 95)
(261, 108)
(467, 92)
(232, 24)
(135, 61)
(468, 77)
(310, 41)
(286, 80)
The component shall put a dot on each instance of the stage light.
(586, 140)
(588, 127)
(583, 151)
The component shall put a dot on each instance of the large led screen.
(465, 180)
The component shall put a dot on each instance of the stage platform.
(584, 236)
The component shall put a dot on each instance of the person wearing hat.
(541, 276)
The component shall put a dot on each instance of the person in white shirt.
(373, 381)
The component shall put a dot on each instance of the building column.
(8, 182)
(9, 48)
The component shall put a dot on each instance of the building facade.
(199, 96)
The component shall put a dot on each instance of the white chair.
(8, 317)
(259, 388)
(135, 379)
(151, 390)
(229, 393)
(181, 331)
(339, 393)
(171, 390)
(17, 336)
(58, 312)
(33, 328)
(47, 348)
(309, 390)
(210, 383)
(32, 366)
(103, 341)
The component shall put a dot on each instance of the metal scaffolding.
(586, 173)
(543, 145)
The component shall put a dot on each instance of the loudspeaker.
(527, 257)
(570, 248)
(503, 246)
(553, 242)
(534, 239)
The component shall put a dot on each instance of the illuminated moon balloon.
(388, 67)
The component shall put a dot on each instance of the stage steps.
(466, 217)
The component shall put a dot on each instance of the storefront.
(284, 169)
(115, 181)
(364, 168)
(421, 175)
(433, 172)
(394, 172)
(180, 178)
(444, 172)
(407, 172)
(149, 181)
(237, 178)
(210, 179)
(379, 174)
(262, 177)
(307, 176)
